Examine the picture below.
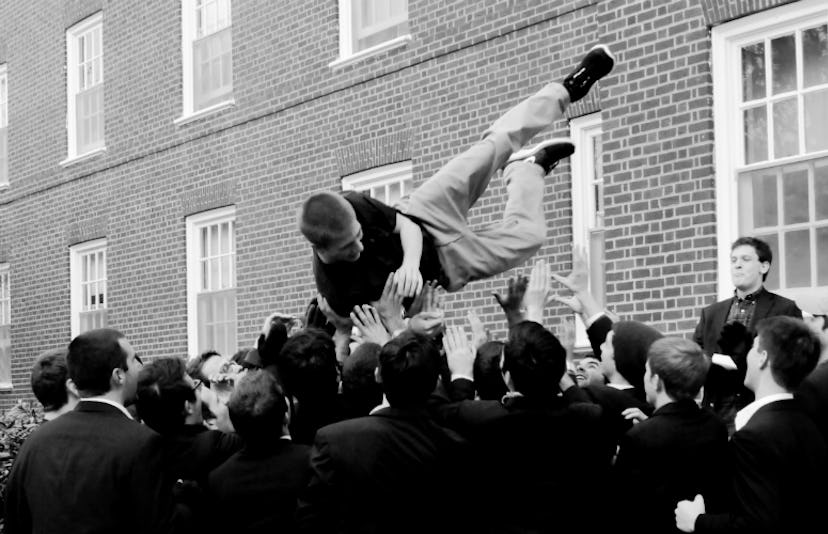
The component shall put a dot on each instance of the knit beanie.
(630, 343)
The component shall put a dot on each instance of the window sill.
(83, 157)
(397, 42)
(4, 187)
(200, 114)
(6, 386)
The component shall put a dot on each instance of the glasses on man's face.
(197, 384)
(139, 360)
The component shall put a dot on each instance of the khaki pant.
(442, 203)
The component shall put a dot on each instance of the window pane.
(393, 193)
(816, 120)
(753, 72)
(783, 57)
(785, 128)
(822, 256)
(773, 275)
(815, 55)
(764, 206)
(756, 134)
(821, 189)
(795, 195)
(797, 258)
(215, 279)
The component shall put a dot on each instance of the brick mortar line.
(447, 51)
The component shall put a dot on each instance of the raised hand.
(368, 322)
(459, 351)
(537, 291)
(342, 324)
(513, 301)
(390, 307)
(479, 333)
(408, 279)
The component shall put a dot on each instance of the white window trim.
(75, 252)
(383, 175)
(5, 268)
(4, 74)
(188, 114)
(582, 130)
(193, 223)
(727, 121)
(71, 82)
(346, 54)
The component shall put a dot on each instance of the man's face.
(197, 388)
(588, 372)
(745, 268)
(608, 355)
(755, 357)
(134, 365)
(650, 384)
(346, 249)
(218, 364)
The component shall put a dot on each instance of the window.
(588, 206)
(370, 26)
(207, 55)
(211, 281)
(88, 281)
(387, 184)
(85, 88)
(771, 104)
(5, 327)
(4, 127)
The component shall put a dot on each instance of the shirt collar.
(744, 415)
(751, 296)
(385, 404)
(110, 402)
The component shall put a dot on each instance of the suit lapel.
(763, 307)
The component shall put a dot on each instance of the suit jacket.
(257, 488)
(779, 463)
(679, 452)
(394, 471)
(194, 451)
(813, 397)
(92, 470)
(714, 317)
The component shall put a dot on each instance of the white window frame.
(76, 256)
(347, 54)
(72, 89)
(194, 223)
(5, 317)
(188, 36)
(382, 177)
(728, 123)
(4, 126)
(583, 131)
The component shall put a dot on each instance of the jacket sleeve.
(698, 335)
(17, 514)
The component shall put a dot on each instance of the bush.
(15, 426)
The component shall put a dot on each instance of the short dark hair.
(49, 375)
(91, 359)
(793, 349)
(488, 377)
(762, 249)
(535, 359)
(359, 385)
(681, 364)
(257, 407)
(325, 217)
(194, 366)
(306, 365)
(409, 366)
(161, 394)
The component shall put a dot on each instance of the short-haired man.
(679, 451)
(94, 469)
(726, 327)
(358, 241)
(395, 470)
(262, 482)
(778, 456)
(51, 385)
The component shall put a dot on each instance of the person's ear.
(118, 377)
(377, 375)
(659, 383)
(189, 407)
(763, 359)
(764, 267)
(71, 388)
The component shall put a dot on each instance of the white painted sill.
(397, 42)
(202, 113)
(83, 157)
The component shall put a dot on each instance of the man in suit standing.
(778, 455)
(726, 327)
(94, 469)
(395, 470)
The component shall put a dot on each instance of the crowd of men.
(372, 415)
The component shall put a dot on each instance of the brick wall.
(294, 117)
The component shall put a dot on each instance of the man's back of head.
(91, 359)
(325, 217)
(162, 393)
(49, 376)
(680, 365)
(535, 360)
(306, 366)
(409, 366)
(787, 347)
(258, 409)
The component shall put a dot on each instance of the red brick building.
(153, 155)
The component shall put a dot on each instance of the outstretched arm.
(408, 277)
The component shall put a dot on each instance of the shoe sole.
(566, 149)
